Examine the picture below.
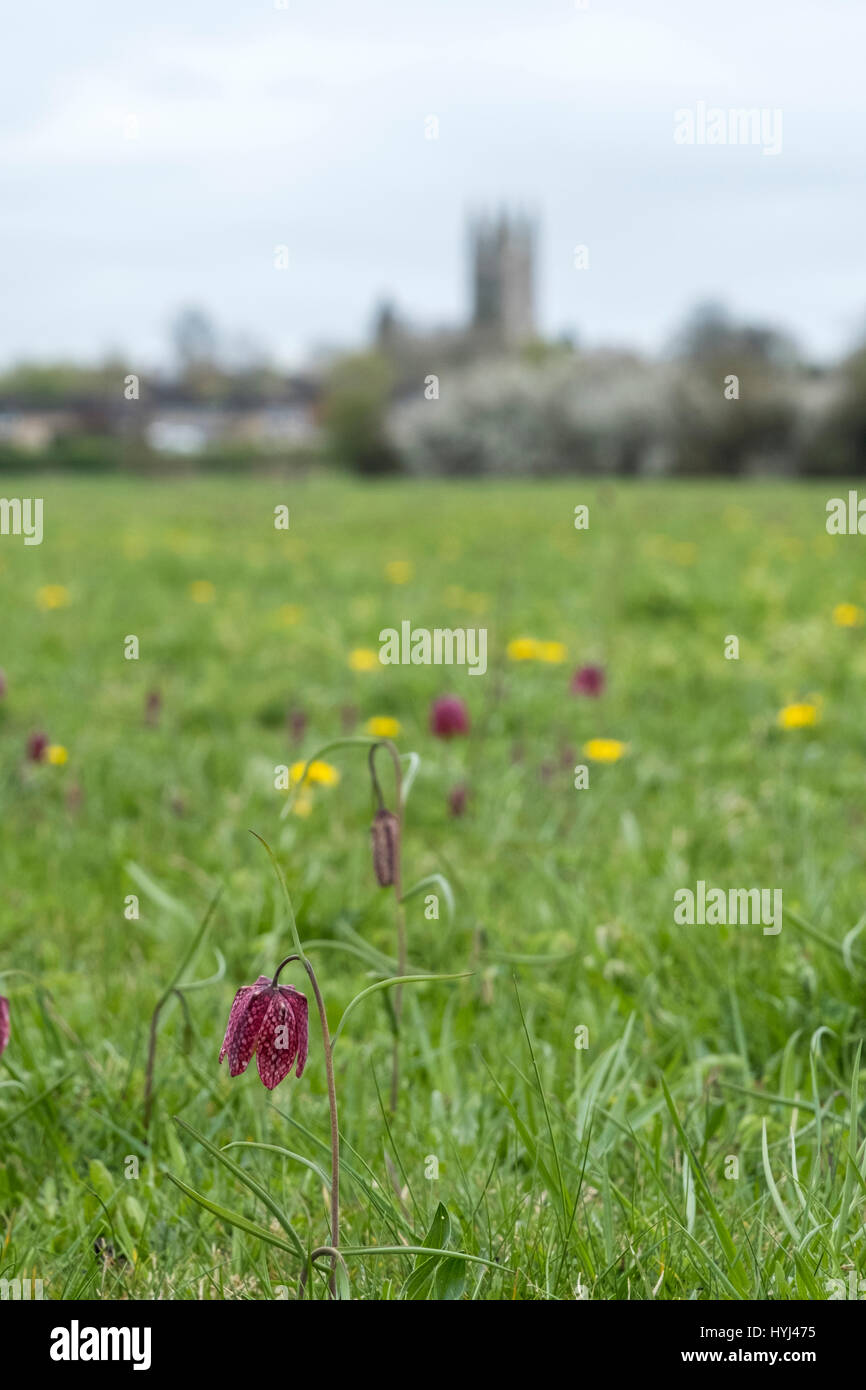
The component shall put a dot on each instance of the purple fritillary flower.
(271, 1021)
(385, 834)
(4, 1024)
(588, 680)
(2, 684)
(457, 799)
(449, 716)
(37, 746)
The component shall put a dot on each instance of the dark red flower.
(37, 746)
(449, 716)
(588, 680)
(4, 1024)
(457, 798)
(271, 1021)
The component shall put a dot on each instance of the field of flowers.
(592, 1099)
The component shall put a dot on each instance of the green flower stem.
(400, 911)
(329, 1062)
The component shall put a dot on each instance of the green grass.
(597, 1172)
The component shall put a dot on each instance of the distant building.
(502, 278)
(502, 269)
(171, 418)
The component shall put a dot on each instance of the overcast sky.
(154, 155)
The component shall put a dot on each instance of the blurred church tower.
(502, 251)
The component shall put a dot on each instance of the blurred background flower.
(449, 716)
(604, 750)
(588, 680)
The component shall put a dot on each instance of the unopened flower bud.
(385, 833)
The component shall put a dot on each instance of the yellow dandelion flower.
(604, 750)
(52, 596)
(56, 754)
(289, 614)
(383, 726)
(363, 659)
(303, 804)
(318, 773)
(202, 591)
(398, 571)
(798, 716)
(553, 652)
(847, 615)
(522, 649)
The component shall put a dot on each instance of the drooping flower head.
(385, 830)
(449, 716)
(588, 680)
(385, 836)
(269, 1020)
(37, 747)
(457, 799)
(2, 684)
(4, 1024)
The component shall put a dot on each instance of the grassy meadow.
(564, 1171)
